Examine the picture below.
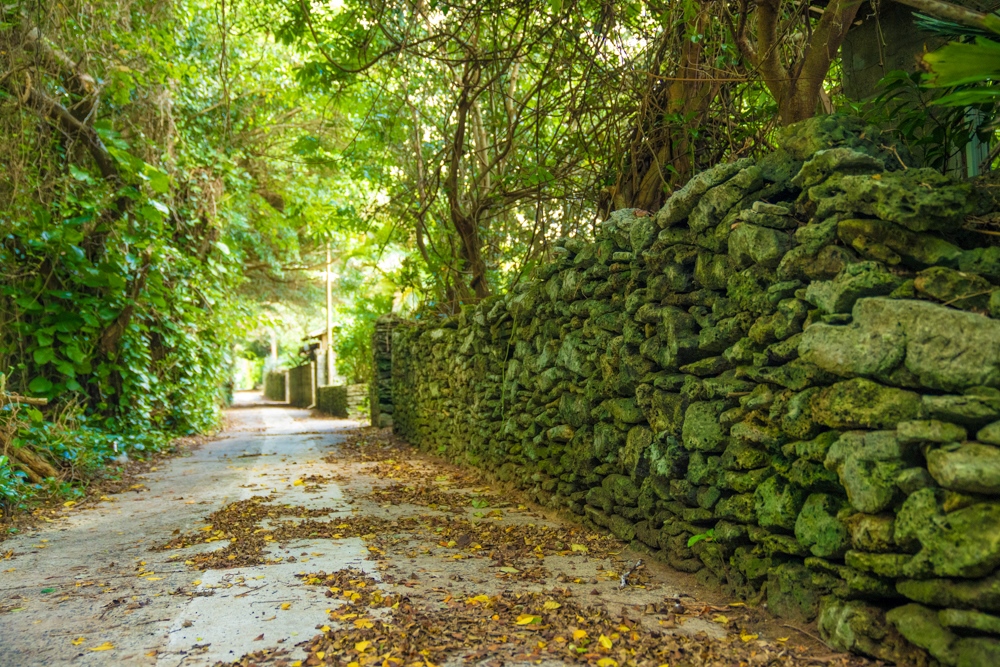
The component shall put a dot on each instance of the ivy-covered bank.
(786, 380)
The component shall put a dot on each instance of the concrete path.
(98, 587)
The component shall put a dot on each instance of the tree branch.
(948, 11)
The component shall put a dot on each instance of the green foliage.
(708, 536)
(969, 66)
(933, 133)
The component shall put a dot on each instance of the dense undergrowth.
(131, 204)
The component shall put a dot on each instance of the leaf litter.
(529, 619)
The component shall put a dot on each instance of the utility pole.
(330, 367)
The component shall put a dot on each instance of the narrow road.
(295, 540)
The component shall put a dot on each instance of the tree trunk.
(659, 156)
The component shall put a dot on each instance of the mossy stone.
(868, 464)
(818, 527)
(974, 408)
(970, 620)
(989, 434)
(872, 533)
(918, 199)
(893, 244)
(921, 627)
(753, 244)
(742, 455)
(790, 594)
(621, 527)
(739, 508)
(777, 503)
(622, 489)
(684, 200)
(983, 262)
(861, 403)
(977, 652)
(701, 430)
(970, 467)
(852, 625)
(888, 565)
(929, 430)
(855, 281)
(955, 288)
(981, 594)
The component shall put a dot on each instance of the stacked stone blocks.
(787, 381)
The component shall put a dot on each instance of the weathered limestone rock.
(862, 628)
(970, 467)
(963, 593)
(970, 620)
(867, 464)
(892, 244)
(862, 403)
(818, 527)
(922, 628)
(855, 281)
(963, 543)
(990, 434)
(701, 429)
(977, 406)
(918, 199)
(940, 348)
(753, 244)
(682, 202)
(791, 594)
(955, 288)
(929, 430)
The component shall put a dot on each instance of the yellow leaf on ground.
(578, 547)
(604, 641)
(286, 605)
(607, 662)
(78, 641)
(551, 605)
(360, 647)
(479, 599)
(364, 624)
(69, 503)
(196, 582)
(299, 482)
(748, 636)
(325, 628)
(528, 619)
(719, 618)
(320, 654)
(579, 634)
(783, 639)
(106, 646)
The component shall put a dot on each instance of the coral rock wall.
(787, 380)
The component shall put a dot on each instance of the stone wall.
(274, 385)
(301, 389)
(348, 400)
(380, 389)
(787, 381)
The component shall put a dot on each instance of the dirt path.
(293, 540)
